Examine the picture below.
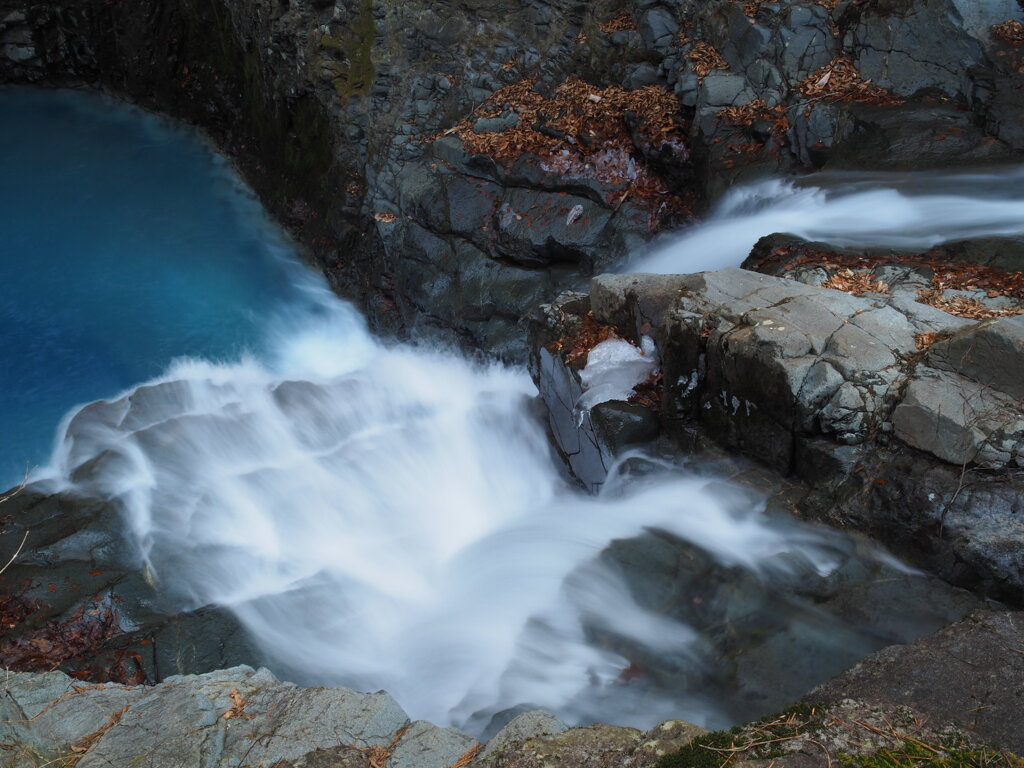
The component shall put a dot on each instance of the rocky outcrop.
(385, 135)
(78, 599)
(889, 410)
(231, 717)
(971, 673)
(242, 716)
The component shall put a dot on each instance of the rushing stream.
(891, 210)
(377, 516)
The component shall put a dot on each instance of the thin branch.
(16, 552)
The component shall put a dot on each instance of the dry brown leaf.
(238, 705)
(839, 80)
(705, 58)
(855, 283)
(582, 131)
(963, 306)
(624, 21)
(1011, 32)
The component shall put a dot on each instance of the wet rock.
(968, 674)
(623, 424)
(78, 577)
(842, 391)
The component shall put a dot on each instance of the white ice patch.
(614, 367)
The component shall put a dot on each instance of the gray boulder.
(231, 717)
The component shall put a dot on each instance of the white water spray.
(848, 210)
(383, 517)
(388, 518)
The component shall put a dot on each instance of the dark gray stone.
(970, 674)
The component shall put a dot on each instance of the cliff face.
(355, 121)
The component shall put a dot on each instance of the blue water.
(126, 242)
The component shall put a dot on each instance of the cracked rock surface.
(242, 716)
(343, 117)
(900, 419)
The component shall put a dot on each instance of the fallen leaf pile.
(579, 116)
(589, 132)
(84, 633)
(852, 272)
(751, 7)
(14, 609)
(1009, 32)
(582, 339)
(705, 58)
(964, 306)
(756, 111)
(622, 22)
(855, 283)
(924, 340)
(839, 80)
(947, 273)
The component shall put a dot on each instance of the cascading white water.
(904, 211)
(376, 516)
(390, 518)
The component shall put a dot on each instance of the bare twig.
(16, 552)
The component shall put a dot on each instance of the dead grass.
(79, 748)
(378, 755)
(467, 757)
(830, 739)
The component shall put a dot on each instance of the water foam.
(390, 518)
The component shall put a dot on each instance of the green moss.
(705, 751)
(354, 49)
(916, 755)
(702, 752)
